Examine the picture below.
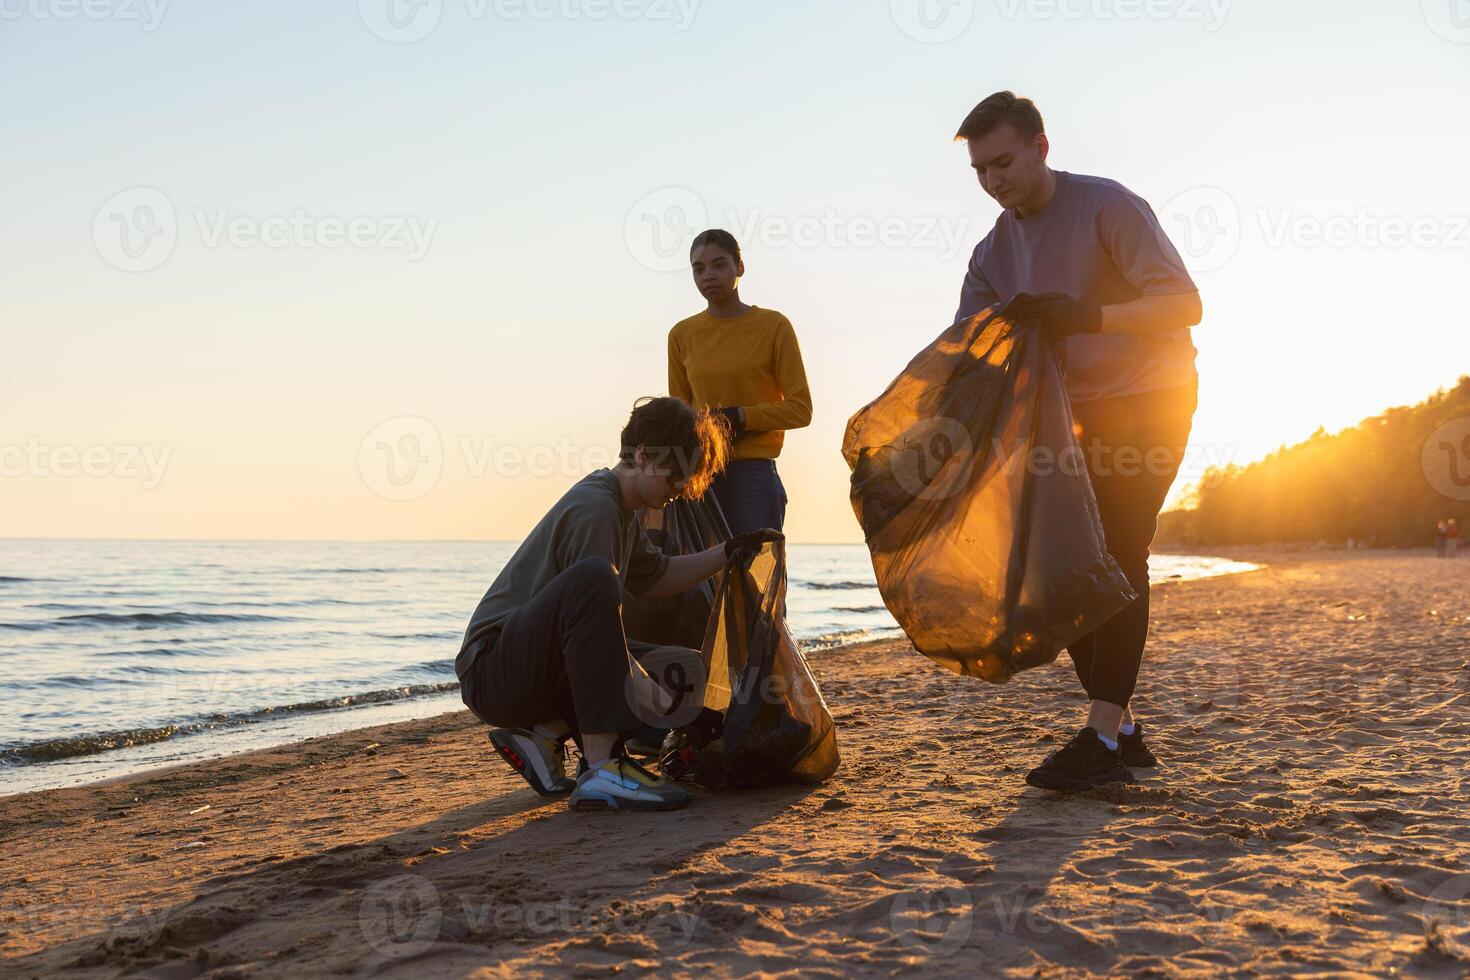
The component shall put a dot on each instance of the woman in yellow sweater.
(744, 362)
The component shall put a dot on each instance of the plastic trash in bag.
(775, 726)
(689, 527)
(975, 501)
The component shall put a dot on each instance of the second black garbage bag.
(689, 527)
(973, 496)
(774, 725)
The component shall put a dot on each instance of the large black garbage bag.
(776, 727)
(974, 498)
(689, 527)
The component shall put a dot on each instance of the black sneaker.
(648, 742)
(1136, 754)
(1081, 764)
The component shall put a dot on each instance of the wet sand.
(1312, 814)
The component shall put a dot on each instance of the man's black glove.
(735, 418)
(1057, 315)
(751, 542)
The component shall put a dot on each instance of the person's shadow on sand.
(506, 873)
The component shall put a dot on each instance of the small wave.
(357, 571)
(282, 603)
(8, 579)
(142, 620)
(834, 639)
(858, 609)
(351, 700)
(69, 680)
(838, 585)
(441, 635)
(66, 748)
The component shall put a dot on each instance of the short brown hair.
(1000, 108)
(694, 444)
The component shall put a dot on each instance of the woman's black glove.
(735, 418)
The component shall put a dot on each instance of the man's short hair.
(694, 445)
(998, 109)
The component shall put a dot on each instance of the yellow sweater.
(750, 361)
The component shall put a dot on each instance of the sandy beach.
(1313, 720)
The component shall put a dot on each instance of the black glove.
(751, 542)
(1057, 315)
(707, 726)
(736, 419)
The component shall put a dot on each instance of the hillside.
(1386, 481)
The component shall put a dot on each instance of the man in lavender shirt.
(1084, 260)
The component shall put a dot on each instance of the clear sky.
(254, 253)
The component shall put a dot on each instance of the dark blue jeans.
(751, 495)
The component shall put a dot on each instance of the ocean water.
(119, 656)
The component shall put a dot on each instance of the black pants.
(562, 656)
(1133, 446)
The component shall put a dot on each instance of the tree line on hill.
(1385, 482)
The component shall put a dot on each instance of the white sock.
(545, 732)
(1112, 744)
(1128, 729)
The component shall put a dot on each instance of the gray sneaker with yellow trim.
(540, 760)
(622, 784)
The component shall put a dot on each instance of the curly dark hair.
(719, 238)
(694, 444)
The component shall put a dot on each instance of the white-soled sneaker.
(622, 784)
(540, 760)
